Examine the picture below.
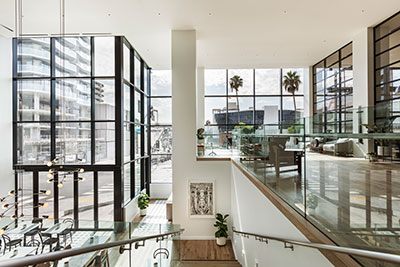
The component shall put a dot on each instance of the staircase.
(209, 264)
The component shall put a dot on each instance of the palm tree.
(291, 83)
(235, 83)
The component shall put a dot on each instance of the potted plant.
(311, 203)
(222, 229)
(383, 148)
(291, 83)
(200, 136)
(235, 83)
(143, 203)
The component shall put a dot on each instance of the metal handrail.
(58, 255)
(350, 251)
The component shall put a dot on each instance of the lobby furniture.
(10, 243)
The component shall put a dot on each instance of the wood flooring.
(206, 250)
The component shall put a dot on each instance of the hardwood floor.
(195, 250)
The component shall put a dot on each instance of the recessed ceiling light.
(362, 10)
(284, 12)
(109, 15)
(209, 13)
(324, 41)
(159, 13)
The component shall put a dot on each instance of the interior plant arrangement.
(311, 203)
(383, 148)
(200, 135)
(235, 83)
(291, 83)
(143, 203)
(222, 229)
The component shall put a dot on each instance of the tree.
(235, 83)
(291, 83)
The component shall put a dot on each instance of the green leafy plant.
(222, 227)
(235, 83)
(200, 134)
(312, 201)
(294, 129)
(246, 129)
(291, 83)
(384, 128)
(143, 201)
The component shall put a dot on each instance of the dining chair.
(34, 243)
(35, 231)
(67, 231)
(10, 243)
(47, 241)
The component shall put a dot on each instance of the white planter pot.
(143, 212)
(383, 151)
(221, 241)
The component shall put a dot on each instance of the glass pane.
(247, 76)
(347, 50)
(161, 83)
(145, 109)
(161, 140)
(127, 63)
(215, 82)
(146, 79)
(25, 202)
(332, 59)
(33, 102)
(105, 100)
(138, 136)
(33, 143)
(215, 110)
(43, 197)
(268, 81)
(104, 56)
(245, 108)
(387, 27)
(289, 112)
(73, 99)
(146, 140)
(127, 142)
(127, 182)
(106, 196)
(299, 72)
(73, 57)
(161, 111)
(66, 190)
(73, 144)
(137, 176)
(388, 58)
(138, 107)
(33, 57)
(161, 169)
(86, 197)
(270, 107)
(127, 102)
(137, 72)
(105, 143)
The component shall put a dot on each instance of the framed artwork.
(201, 199)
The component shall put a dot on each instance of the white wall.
(185, 167)
(7, 177)
(253, 212)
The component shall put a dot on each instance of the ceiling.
(230, 33)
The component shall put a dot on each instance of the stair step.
(209, 264)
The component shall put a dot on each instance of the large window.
(161, 126)
(74, 105)
(333, 92)
(261, 100)
(387, 71)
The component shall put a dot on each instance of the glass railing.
(344, 177)
(41, 236)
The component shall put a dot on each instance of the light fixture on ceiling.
(284, 12)
(209, 13)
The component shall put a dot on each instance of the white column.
(183, 64)
(7, 177)
(200, 97)
(185, 166)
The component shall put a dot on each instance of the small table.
(22, 229)
(21, 252)
(87, 258)
(298, 153)
(57, 229)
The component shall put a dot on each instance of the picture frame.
(201, 197)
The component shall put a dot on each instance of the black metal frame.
(117, 168)
(340, 109)
(384, 104)
(281, 97)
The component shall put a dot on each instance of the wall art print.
(201, 199)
